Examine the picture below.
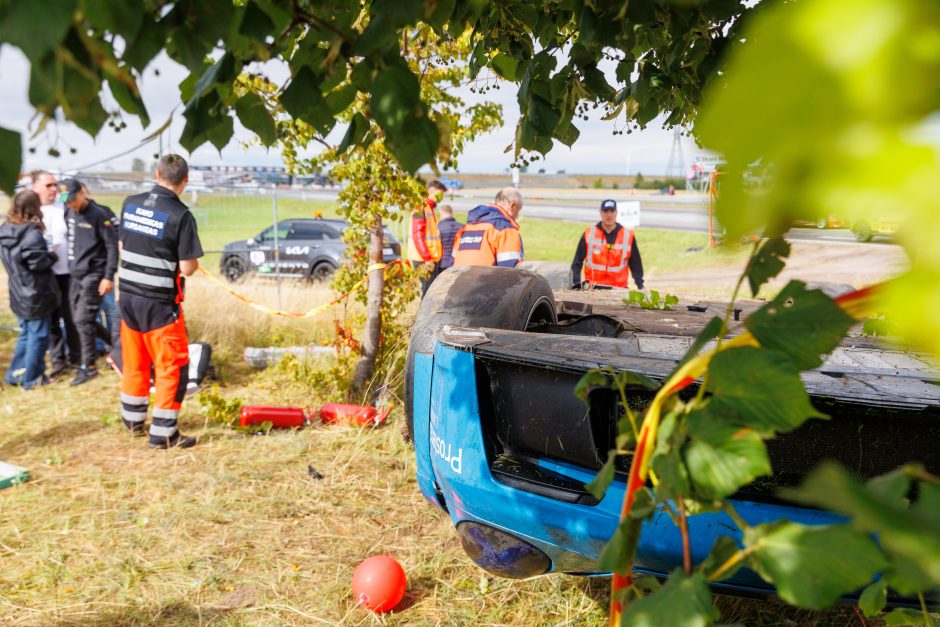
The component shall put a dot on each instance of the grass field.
(235, 531)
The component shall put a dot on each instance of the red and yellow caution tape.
(290, 314)
(856, 304)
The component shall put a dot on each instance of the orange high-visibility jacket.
(424, 242)
(490, 238)
(607, 264)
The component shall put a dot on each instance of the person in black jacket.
(34, 292)
(93, 258)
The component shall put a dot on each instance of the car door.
(302, 245)
(261, 255)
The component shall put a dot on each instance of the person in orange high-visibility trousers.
(491, 236)
(608, 252)
(424, 241)
(159, 246)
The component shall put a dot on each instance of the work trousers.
(165, 348)
(85, 303)
(64, 345)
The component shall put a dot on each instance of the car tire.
(822, 223)
(862, 231)
(321, 273)
(234, 269)
(475, 296)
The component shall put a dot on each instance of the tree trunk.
(372, 332)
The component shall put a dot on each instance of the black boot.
(85, 374)
(135, 428)
(177, 440)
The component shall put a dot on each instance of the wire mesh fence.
(237, 221)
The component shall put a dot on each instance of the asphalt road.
(663, 212)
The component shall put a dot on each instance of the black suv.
(310, 249)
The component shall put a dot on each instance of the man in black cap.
(93, 259)
(608, 253)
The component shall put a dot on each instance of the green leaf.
(302, 100)
(339, 99)
(812, 567)
(11, 158)
(707, 334)
(873, 598)
(120, 18)
(354, 134)
(767, 263)
(802, 324)
(129, 100)
(506, 66)
(908, 535)
(644, 504)
(605, 476)
(620, 548)
(758, 388)
(148, 42)
(667, 462)
(903, 616)
(35, 27)
(724, 549)
(415, 144)
(438, 13)
(221, 133)
(255, 23)
(683, 600)
(255, 117)
(590, 380)
(222, 71)
(202, 121)
(394, 98)
(721, 458)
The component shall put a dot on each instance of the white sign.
(628, 213)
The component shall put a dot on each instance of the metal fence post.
(277, 248)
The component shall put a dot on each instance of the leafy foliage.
(664, 55)
(849, 141)
(767, 263)
(812, 566)
(653, 300)
(683, 600)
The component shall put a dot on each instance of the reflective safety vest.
(607, 264)
(432, 237)
(149, 266)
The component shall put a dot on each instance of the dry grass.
(231, 532)
(214, 316)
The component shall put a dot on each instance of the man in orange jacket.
(608, 252)
(491, 236)
(424, 241)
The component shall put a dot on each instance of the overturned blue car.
(505, 447)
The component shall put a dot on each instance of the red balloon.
(379, 583)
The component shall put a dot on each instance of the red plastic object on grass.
(362, 415)
(379, 583)
(279, 417)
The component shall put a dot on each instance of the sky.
(597, 151)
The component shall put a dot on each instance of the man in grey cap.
(93, 259)
(608, 252)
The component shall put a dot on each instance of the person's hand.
(105, 286)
